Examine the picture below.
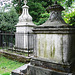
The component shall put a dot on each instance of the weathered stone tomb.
(54, 52)
(23, 35)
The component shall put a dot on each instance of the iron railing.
(7, 42)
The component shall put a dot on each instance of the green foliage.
(6, 65)
(18, 5)
(43, 18)
(35, 10)
(8, 20)
(38, 7)
(70, 18)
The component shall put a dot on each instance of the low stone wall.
(16, 57)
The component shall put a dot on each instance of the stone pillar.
(23, 35)
(54, 46)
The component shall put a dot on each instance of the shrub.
(70, 18)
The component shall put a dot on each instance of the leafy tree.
(38, 8)
(8, 20)
(43, 18)
(70, 18)
(18, 5)
(45, 3)
(35, 10)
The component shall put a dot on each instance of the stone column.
(24, 36)
(54, 46)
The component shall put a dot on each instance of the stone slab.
(54, 30)
(21, 70)
(34, 70)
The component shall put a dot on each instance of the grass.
(7, 66)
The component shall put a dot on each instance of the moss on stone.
(45, 47)
(39, 47)
(53, 50)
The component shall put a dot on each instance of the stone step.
(21, 70)
(19, 50)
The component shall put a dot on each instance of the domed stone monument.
(24, 36)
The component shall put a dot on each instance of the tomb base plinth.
(35, 70)
(41, 66)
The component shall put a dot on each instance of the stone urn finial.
(55, 11)
(56, 7)
(55, 18)
(25, 2)
(25, 18)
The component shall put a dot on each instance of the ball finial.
(25, 2)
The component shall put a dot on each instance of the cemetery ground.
(7, 65)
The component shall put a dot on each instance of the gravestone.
(23, 35)
(54, 52)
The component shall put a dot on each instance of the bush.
(8, 20)
(70, 18)
(43, 18)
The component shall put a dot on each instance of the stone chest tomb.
(54, 52)
(23, 29)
